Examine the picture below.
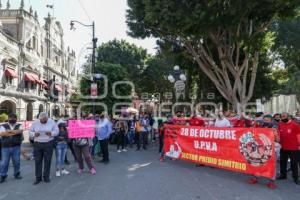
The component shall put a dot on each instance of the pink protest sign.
(81, 128)
(27, 125)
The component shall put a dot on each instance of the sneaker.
(57, 173)
(125, 150)
(271, 185)
(79, 171)
(93, 171)
(161, 159)
(18, 176)
(119, 151)
(65, 172)
(2, 180)
(297, 182)
(252, 181)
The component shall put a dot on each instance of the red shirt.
(289, 134)
(194, 121)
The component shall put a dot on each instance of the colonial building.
(37, 69)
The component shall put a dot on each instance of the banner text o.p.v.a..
(245, 150)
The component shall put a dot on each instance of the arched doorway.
(41, 108)
(7, 107)
(56, 111)
(29, 112)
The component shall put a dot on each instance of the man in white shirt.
(43, 131)
(222, 121)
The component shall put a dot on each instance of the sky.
(109, 17)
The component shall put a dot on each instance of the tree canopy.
(224, 37)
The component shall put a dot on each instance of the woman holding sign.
(43, 130)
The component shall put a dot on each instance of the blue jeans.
(131, 136)
(95, 142)
(60, 152)
(7, 153)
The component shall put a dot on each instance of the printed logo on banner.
(256, 150)
(173, 150)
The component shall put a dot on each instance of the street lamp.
(94, 40)
(178, 77)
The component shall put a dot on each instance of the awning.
(28, 77)
(32, 78)
(36, 78)
(10, 73)
(44, 84)
(58, 88)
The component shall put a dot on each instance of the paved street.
(140, 175)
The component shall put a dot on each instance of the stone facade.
(37, 70)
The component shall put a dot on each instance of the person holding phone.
(43, 130)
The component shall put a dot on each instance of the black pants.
(43, 156)
(120, 140)
(294, 156)
(142, 137)
(104, 149)
(71, 147)
(161, 144)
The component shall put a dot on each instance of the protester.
(222, 121)
(268, 123)
(289, 132)
(258, 121)
(297, 117)
(11, 134)
(69, 142)
(121, 138)
(61, 141)
(151, 128)
(143, 132)
(131, 131)
(43, 130)
(103, 130)
(82, 148)
(161, 129)
(196, 121)
(276, 119)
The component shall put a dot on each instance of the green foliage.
(287, 48)
(3, 117)
(129, 56)
(220, 35)
(154, 76)
(113, 73)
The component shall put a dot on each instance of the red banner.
(245, 150)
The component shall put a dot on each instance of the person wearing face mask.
(267, 123)
(276, 119)
(297, 117)
(289, 133)
(43, 130)
(12, 137)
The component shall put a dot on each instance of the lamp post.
(178, 77)
(94, 40)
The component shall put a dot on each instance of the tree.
(287, 49)
(129, 56)
(224, 37)
(114, 73)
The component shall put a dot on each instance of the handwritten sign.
(27, 125)
(81, 128)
